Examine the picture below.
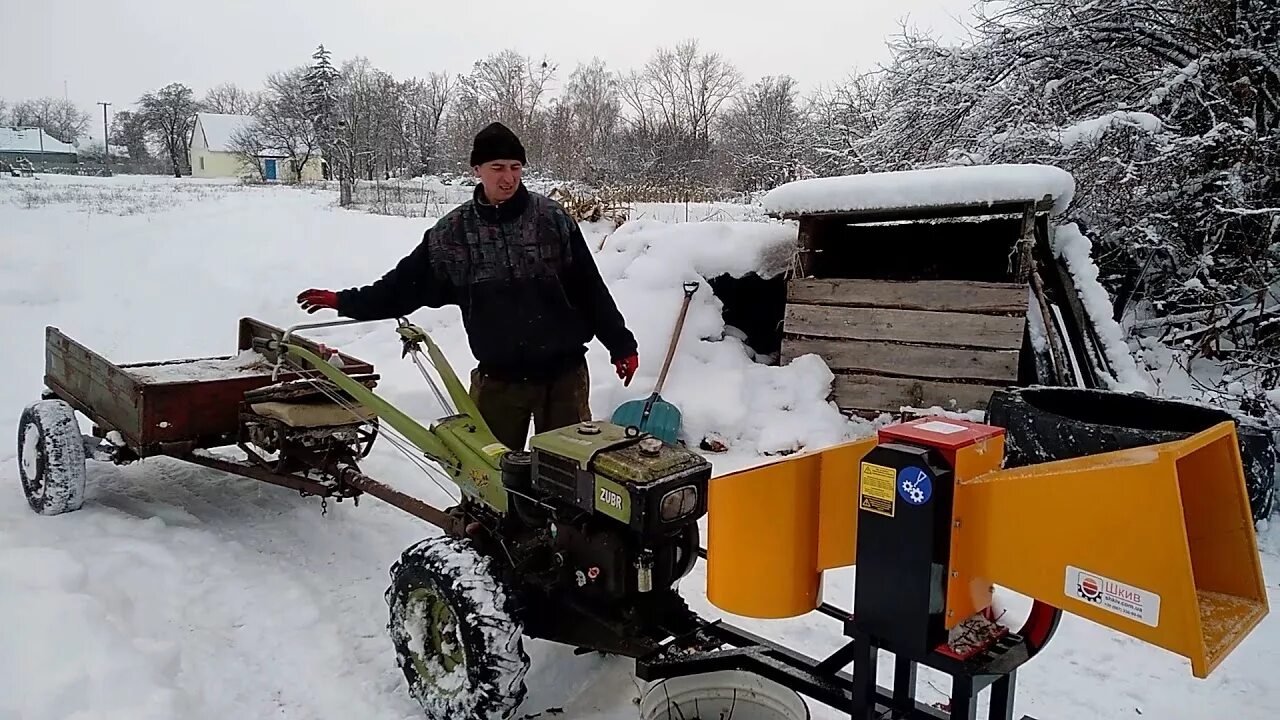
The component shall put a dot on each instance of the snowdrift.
(714, 378)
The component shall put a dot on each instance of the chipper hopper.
(1155, 542)
(583, 538)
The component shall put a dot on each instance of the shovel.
(654, 415)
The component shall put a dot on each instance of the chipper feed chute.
(1155, 542)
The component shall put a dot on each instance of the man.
(531, 296)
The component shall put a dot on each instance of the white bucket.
(723, 695)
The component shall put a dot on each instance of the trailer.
(290, 427)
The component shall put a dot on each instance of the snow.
(247, 363)
(929, 188)
(30, 441)
(28, 139)
(181, 592)
(1086, 130)
(219, 128)
(652, 250)
(1076, 250)
(713, 379)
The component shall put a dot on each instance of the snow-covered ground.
(177, 592)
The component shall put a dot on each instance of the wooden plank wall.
(919, 344)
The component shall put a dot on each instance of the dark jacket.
(530, 292)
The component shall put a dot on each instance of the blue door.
(270, 167)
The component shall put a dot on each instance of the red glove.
(627, 368)
(313, 300)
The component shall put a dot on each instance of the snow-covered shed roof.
(27, 140)
(219, 128)
(933, 189)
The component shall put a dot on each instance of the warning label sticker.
(1113, 595)
(877, 489)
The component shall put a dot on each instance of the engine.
(617, 510)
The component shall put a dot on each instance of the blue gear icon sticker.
(914, 485)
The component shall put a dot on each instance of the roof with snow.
(219, 128)
(924, 193)
(28, 140)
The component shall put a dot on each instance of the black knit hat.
(496, 142)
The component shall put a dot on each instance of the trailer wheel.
(51, 461)
(456, 640)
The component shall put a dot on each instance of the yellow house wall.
(313, 171)
(207, 164)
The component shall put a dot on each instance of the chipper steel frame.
(583, 539)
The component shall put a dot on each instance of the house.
(35, 145)
(213, 154)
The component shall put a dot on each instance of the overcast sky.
(116, 50)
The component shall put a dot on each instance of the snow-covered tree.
(1165, 112)
(764, 134)
(322, 107)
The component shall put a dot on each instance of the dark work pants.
(507, 405)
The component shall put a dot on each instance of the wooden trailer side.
(91, 384)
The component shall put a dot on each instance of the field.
(180, 592)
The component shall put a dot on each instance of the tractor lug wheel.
(457, 642)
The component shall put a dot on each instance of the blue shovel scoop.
(654, 415)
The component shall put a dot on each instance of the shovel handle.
(689, 289)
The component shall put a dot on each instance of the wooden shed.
(930, 288)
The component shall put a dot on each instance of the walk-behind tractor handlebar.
(585, 534)
(583, 538)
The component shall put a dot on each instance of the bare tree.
(509, 88)
(249, 146)
(4, 113)
(169, 114)
(562, 151)
(355, 121)
(672, 104)
(763, 133)
(60, 118)
(426, 101)
(594, 103)
(283, 123)
(230, 99)
(593, 95)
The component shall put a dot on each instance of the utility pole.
(106, 138)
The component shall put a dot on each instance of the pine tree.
(321, 84)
